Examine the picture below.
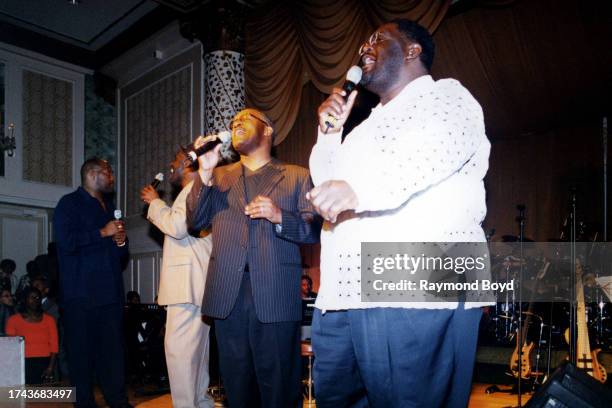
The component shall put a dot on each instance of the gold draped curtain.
(293, 42)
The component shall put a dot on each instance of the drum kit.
(544, 303)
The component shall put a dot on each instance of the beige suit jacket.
(185, 257)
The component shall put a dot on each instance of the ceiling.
(88, 34)
(533, 65)
(90, 24)
(91, 33)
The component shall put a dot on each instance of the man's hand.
(120, 238)
(338, 108)
(263, 207)
(111, 228)
(331, 198)
(209, 160)
(148, 194)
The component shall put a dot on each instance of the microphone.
(159, 177)
(117, 214)
(224, 137)
(353, 76)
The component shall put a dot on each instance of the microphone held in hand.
(224, 137)
(353, 76)
(117, 214)
(159, 177)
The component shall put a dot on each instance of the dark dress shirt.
(90, 266)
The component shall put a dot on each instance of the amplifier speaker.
(572, 388)
(12, 358)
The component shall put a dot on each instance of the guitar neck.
(525, 324)
(583, 347)
(525, 327)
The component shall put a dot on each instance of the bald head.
(97, 175)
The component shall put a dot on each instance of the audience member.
(47, 267)
(133, 298)
(307, 292)
(7, 309)
(49, 305)
(8, 280)
(40, 333)
(26, 280)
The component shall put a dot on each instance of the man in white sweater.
(183, 276)
(411, 172)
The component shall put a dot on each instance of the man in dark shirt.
(8, 280)
(306, 288)
(259, 214)
(90, 245)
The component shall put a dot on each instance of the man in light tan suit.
(183, 276)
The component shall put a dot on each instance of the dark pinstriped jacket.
(273, 258)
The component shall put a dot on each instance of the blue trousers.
(392, 357)
(260, 362)
(94, 343)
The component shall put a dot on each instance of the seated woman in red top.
(40, 334)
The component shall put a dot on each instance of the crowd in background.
(28, 308)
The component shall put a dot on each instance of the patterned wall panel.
(47, 129)
(224, 88)
(100, 125)
(157, 119)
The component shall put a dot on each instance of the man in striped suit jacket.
(259, 215)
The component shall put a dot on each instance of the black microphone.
(159, 177)
(353, 76)
(222, 137)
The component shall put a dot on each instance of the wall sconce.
(7, 142)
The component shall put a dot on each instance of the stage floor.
(478, 399)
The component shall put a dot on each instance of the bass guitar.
(586, 358)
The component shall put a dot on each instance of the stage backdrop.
(293, 42)
(543, 111)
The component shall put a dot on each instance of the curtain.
(541, 75)
(293, 42)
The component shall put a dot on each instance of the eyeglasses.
(242, 118)
(375, 38)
